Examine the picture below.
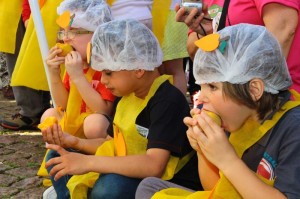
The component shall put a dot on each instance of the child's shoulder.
(169, 92)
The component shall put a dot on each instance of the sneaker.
(8, 92)
(50, 193)
(20, 122)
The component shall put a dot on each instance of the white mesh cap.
(89, 14)
(125, 45)
(251, 52)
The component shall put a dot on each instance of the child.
(246, 84)
(149, 135)
(87, 103)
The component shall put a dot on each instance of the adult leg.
(175, 67)
(114, 186)
(32, 104)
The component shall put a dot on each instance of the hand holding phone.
(189, 4)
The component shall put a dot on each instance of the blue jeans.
(60, 185)
(114, 186)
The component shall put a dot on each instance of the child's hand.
(53, 61)
(67, 164)
(192, 133)
(191, 123)
(214, 143)
(55, 135)
(74, 65)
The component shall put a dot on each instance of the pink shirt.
(250, 11)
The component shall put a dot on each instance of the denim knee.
(114, 186)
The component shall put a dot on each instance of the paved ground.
(21, 154)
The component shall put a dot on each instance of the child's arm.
(55, 135)
(216, 147)
(58, 91)
(208, 173)
(137, 166)
(91, 97)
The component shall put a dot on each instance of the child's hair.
(240, 93)
(125, 45)
(251, 52)
(89, 14)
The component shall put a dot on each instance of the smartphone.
(189, 4)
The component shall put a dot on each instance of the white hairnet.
(251, 52)
(125, 45)
(88, 13)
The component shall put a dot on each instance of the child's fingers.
(57, 148)
(55, 134)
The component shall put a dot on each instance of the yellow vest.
(126, 141)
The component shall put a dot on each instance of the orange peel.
(66, 48)
(48, 122)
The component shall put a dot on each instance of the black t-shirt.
(161, 122)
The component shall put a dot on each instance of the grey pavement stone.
(21, 153)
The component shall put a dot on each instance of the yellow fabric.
(72, 119)
(241, 140)
(110, 2)
(295, 94)
(29, 70)
(175, 38)
(10, 15)
(160, 13)
(127, 111)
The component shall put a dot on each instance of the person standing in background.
(12, 31)
(32, 94)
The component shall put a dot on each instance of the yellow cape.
(10, 15)
(29, 70)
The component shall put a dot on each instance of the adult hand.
(201, 24)
(67, 164)
(55, 135)
(214, 143)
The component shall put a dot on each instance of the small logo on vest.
(142, 130)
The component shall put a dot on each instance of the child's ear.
(256, 88)
(139, 73)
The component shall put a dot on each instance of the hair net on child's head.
(89, 14)
(125, 45)
(251, 52)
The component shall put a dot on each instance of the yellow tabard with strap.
(241, 140)
(10, 15)
(126, 141)
(29, 70)
(72, 120)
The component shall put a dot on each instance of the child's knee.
(95, 126)
(50, 112)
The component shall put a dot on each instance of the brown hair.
(240, 93)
